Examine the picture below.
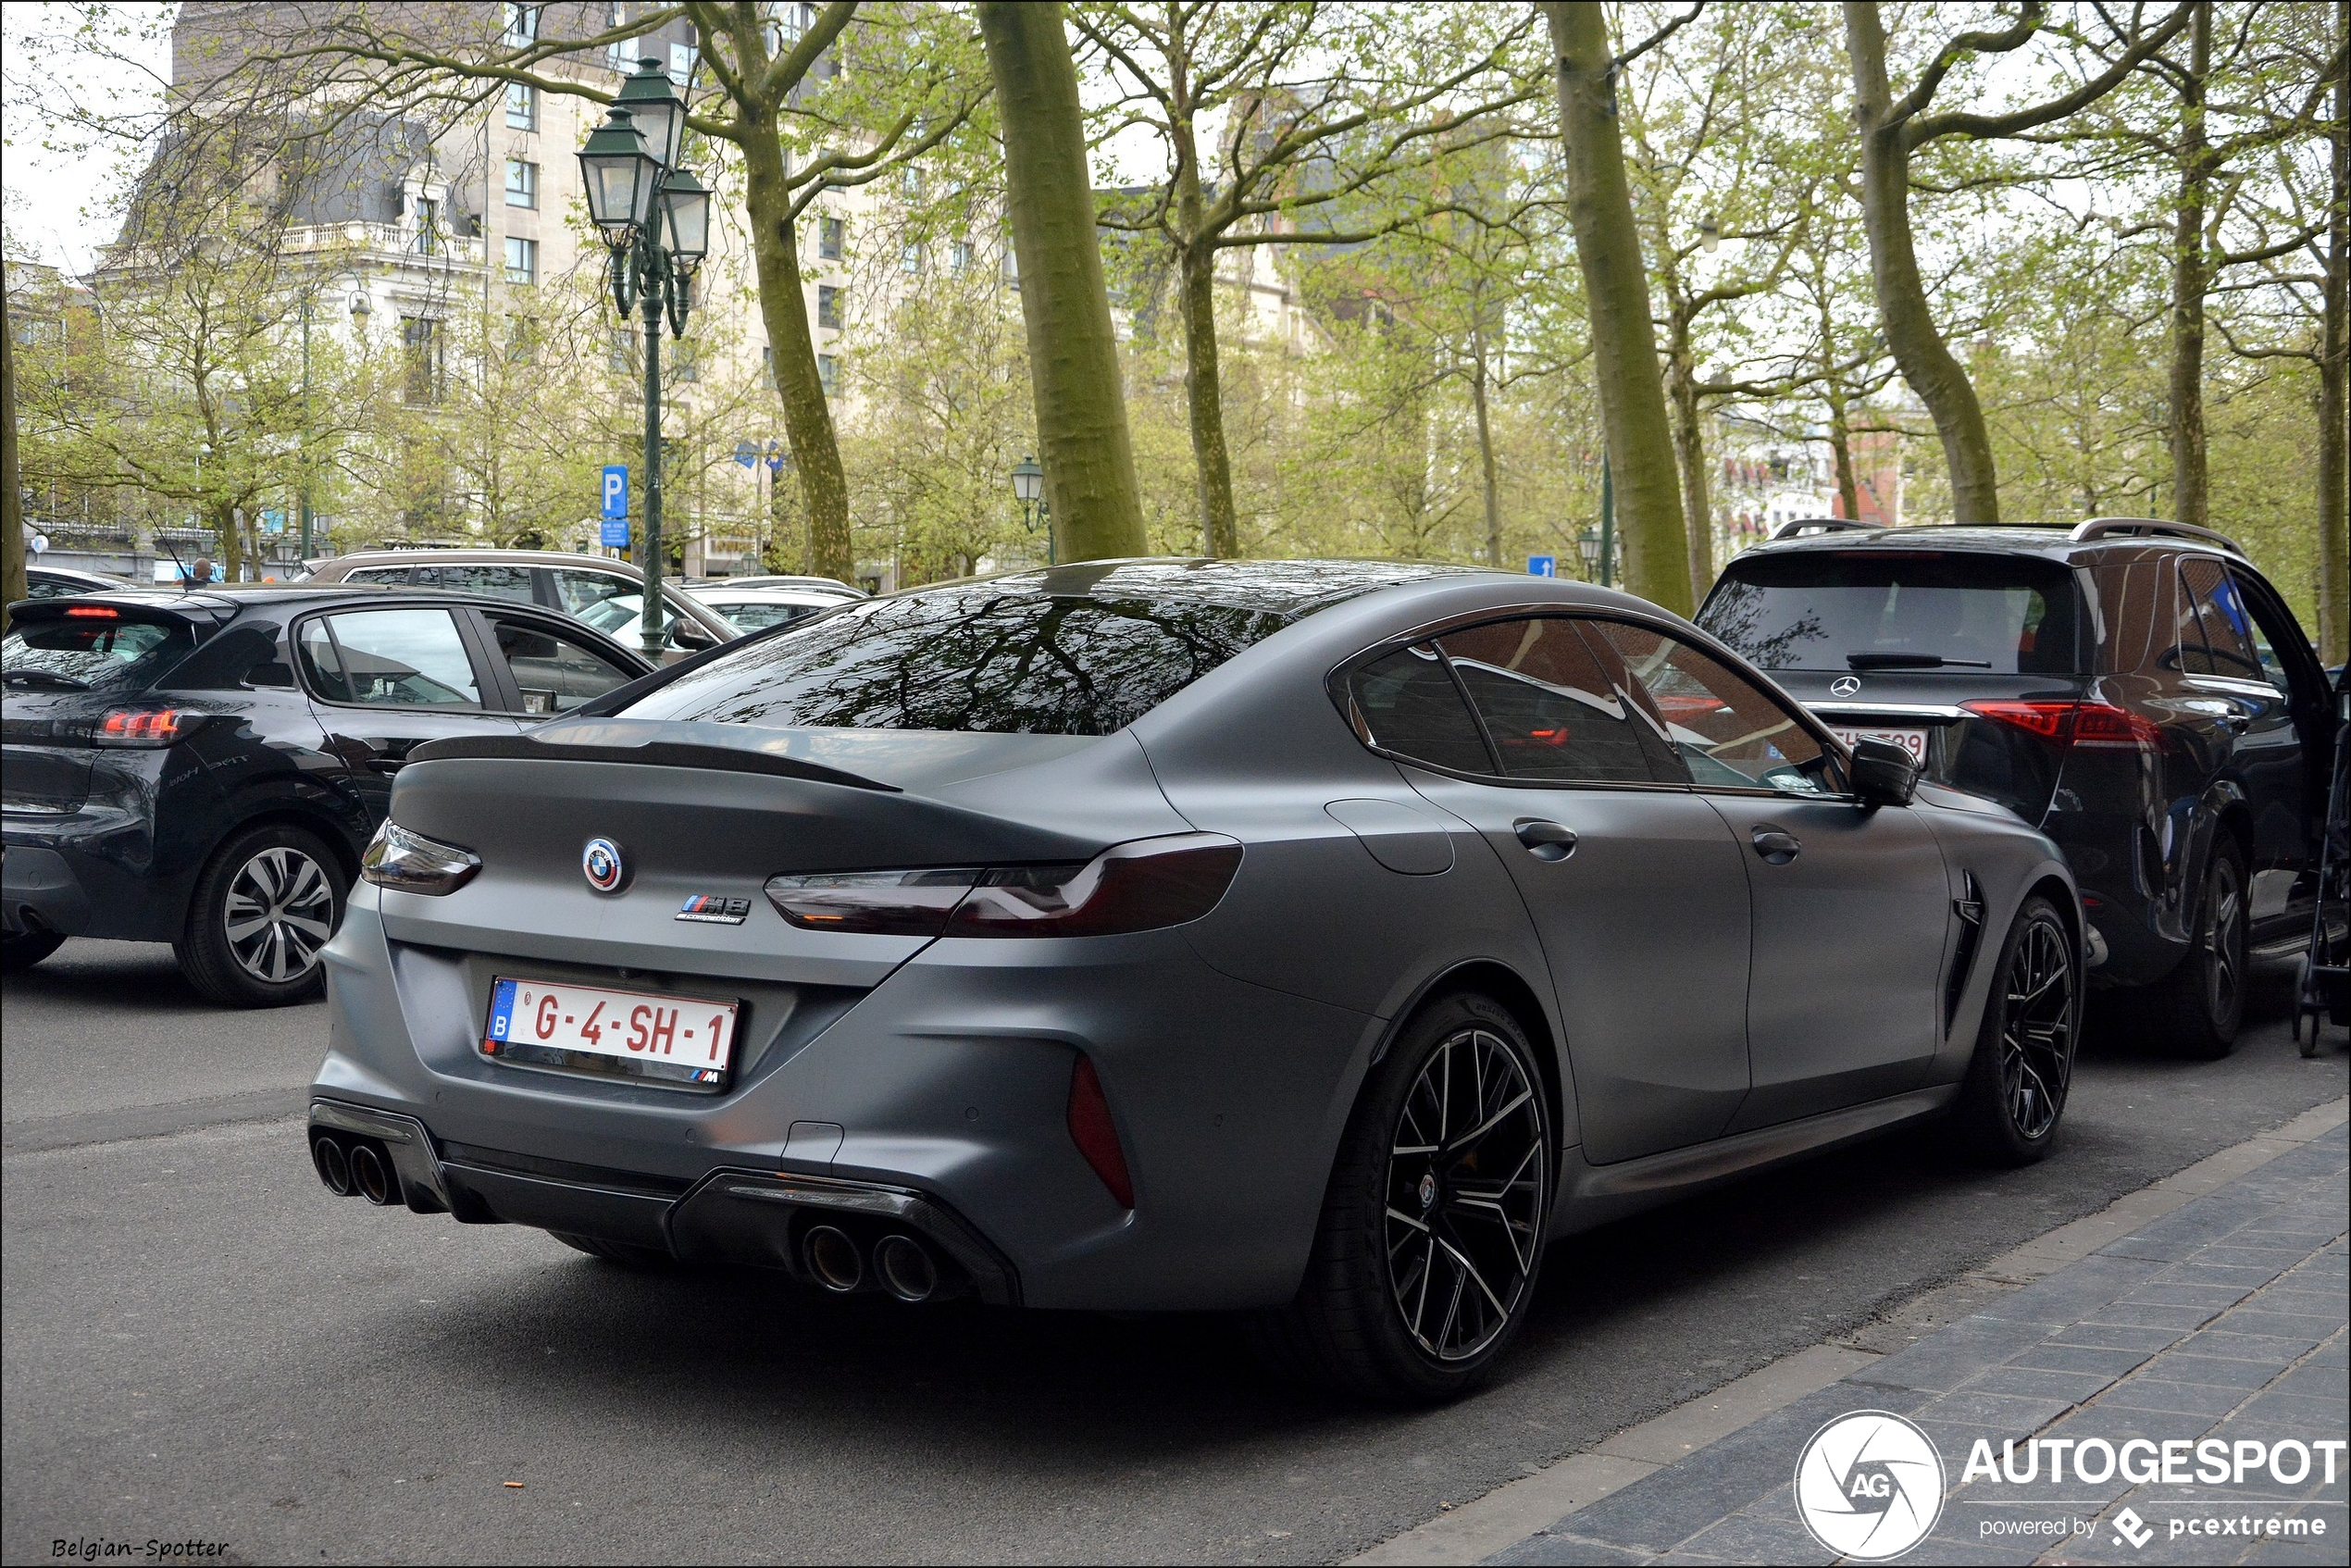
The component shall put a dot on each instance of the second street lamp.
(655, 221)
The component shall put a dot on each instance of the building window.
(828, 307)
(681, 64)
(1009, 269)
(522, 340)
(686, 355)
(522, 106)
(767, 365)
(420, 349)
(910, 257)
(830, 232)
(522, 26)
(428, 226)
(959, 258)
(522, 183)
(621, 55)
(522, 260)
(620, 351)
(828, 373)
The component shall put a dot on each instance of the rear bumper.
(730, 1216)
(945, 1088)
(103, 869)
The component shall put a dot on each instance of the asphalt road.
(201, 1344)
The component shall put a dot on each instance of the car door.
(551, 673)
(383, 681)
(2264, 748)
(1851, 907)
(1634, 887)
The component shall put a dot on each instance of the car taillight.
(1140, 886)
(142, 727)
(410, 863)
(93, 613)
(2095, 726)
(1094, 1133)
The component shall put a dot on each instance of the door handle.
(1545, 841)
(1776, 845)
(2236, 723)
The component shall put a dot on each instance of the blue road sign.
(747, 454)
(1542, 566)
(615, 534)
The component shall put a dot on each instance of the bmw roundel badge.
(601, 862)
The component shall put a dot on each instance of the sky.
(55, 199)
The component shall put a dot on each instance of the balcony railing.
(388, 240)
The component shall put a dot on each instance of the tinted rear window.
(92, 654)
(1840, 610)
(997, 656)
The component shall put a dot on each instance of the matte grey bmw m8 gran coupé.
(1316, 939)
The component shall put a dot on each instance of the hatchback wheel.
(262, 910)
(2014, 1094)
(1431, 1230)
(2198, 1008)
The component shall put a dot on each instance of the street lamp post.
(654, 218)
(1028, 488)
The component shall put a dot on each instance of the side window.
(1725, 728)
(1406, 703)
(394, 658)
(2187, 631)
(2273, 668)
(321, 667)
(1547, 702)
(2228, 629)
(555, 674)
(380, 575)
(578, 591)
(480, 576)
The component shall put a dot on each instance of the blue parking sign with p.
(615, 519)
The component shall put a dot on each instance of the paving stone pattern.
(2223, 1319)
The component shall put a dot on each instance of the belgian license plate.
(686, 1041)
(1910, 740)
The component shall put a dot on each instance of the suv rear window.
(996, 656)
(1908, 609)
(91, 653)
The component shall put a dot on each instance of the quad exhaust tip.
(905, 1268)
(372, 1176)
(833, 1259)
(333, 1168)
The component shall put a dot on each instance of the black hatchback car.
(205, 768)
(2134, 687)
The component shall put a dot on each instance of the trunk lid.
(1990, 758)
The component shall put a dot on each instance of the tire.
(2013, 1098)
(2198, 1008)
(19, 951)
(263, 907)
(626, 1254)
(1391, 1308)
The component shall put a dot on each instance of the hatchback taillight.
(1134, 887)
(2094, 726)
(142, 727)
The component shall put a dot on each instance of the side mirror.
(691, 634)
(1884, 774)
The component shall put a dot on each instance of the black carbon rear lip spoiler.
(654, 754)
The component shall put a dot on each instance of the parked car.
(2134, 687)
(56, 582)
(575, 585)
(204, 768)
(755, 609)
(822, 584)
(1318, 939)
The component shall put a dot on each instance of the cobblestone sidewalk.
(2224, 1319)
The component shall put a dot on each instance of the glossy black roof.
(1279, 588)
(2052, 541)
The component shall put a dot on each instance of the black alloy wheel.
(1432, 1232)
(261, 913)
(2014, 1094)
(2199, 1007)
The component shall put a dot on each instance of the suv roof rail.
(1798, 526)
(2107, 528)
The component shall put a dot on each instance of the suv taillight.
(142, 727)
(2092, 725)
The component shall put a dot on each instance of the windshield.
(1908, 609)
(998, 656)
(757, 615)
(90, 654)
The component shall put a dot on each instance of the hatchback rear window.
(1846, 610)
(996, 655)
(92, 654)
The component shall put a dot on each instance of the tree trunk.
(1689, 449)
(1491, 487)
(1849, 489)
(2191, 279)
(2334, 371)
(1073, 369)
(11, 495)
(783, 308)
(230, 542)
(1204, 397)
(1918, 348)
(1608, 252)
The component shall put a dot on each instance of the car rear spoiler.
(651, 753)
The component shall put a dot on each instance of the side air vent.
(1970, 909)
